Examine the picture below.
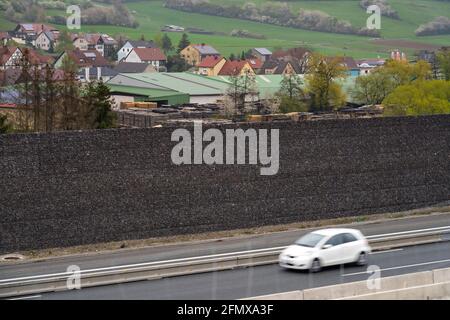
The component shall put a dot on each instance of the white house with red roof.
(153, 56)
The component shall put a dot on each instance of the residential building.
(89, 74)
(10, 57)
(28, 32)
(211, 65)
(299, 54)
(236, 67)
(47, 40)
(281, 67)
(351, 66)
(366, 66)
(398, 55)
(195, 53)
(134, 67)
(262, 54)
(256, 64)
(4, 38)
(103, 43)
(83, 59)
(153, 56)
(130, 45)
(110, 46)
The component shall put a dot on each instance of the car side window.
(348, 237)
(335, 240)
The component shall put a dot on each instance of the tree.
(184, 42)
(325, 92)
(177, 64)
(99, 103)
(375, 87)
(291, 94)
(65, 42)
(232, 57)
(5, 127)
(166, 43)
(443, 57)
(240, 88)
(419, 98)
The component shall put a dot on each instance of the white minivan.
(326, 247)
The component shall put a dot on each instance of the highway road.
(261, 280)
(194, 249)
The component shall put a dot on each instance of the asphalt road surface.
(255, 281)
(193, 249)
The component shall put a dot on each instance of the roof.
(233, 67)
(263, 51)
(107, 39)
(150, 54)
(4, 35)
(35, 27)
(6, 53)
(88, 58)
(255, 63)
(51, 35)
(297, 53)
(205, 49)
(131, 67)
(142, 44)
(147, 92)
(210, 61)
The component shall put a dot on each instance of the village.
(154, 82)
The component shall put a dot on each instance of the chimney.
(86, 74)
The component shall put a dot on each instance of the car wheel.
(315, 266)
(362, 259)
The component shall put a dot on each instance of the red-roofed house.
(153, 56)
(10, 57)
(28, 32)
(211, 65)
(89, 58)
(236, 67)
(256, 64)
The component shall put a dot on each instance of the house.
(10, 57)
(255, 63)
(89, 74)
(211, 65)
(366, 66)
(350, 64)
(83, 59)
(134, 67)
(236, 67)
(4, 38)
(110, 46)
(281, 67)
(195, 53)
(28, 32)
(298, 54)
(153, 56)
(103, 43)
(47, 40)
(130, 45)
(262, 54)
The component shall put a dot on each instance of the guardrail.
(185, 266)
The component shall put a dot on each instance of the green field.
(152, 16)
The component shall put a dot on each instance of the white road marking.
(28, 297)
(386, 251)
(400, 267)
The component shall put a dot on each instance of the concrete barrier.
(424, 285)
(360, 287)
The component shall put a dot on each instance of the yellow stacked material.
(255, 118)
(126, 105)
(293, 115)
(146, 105)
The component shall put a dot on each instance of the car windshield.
(310, 240)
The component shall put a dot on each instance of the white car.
(326, 247)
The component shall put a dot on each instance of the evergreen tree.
(100, 100)
(166, 43)
(184, 42)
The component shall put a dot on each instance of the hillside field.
(152, 16)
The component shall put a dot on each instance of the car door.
(332, 255)
(350, 248)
